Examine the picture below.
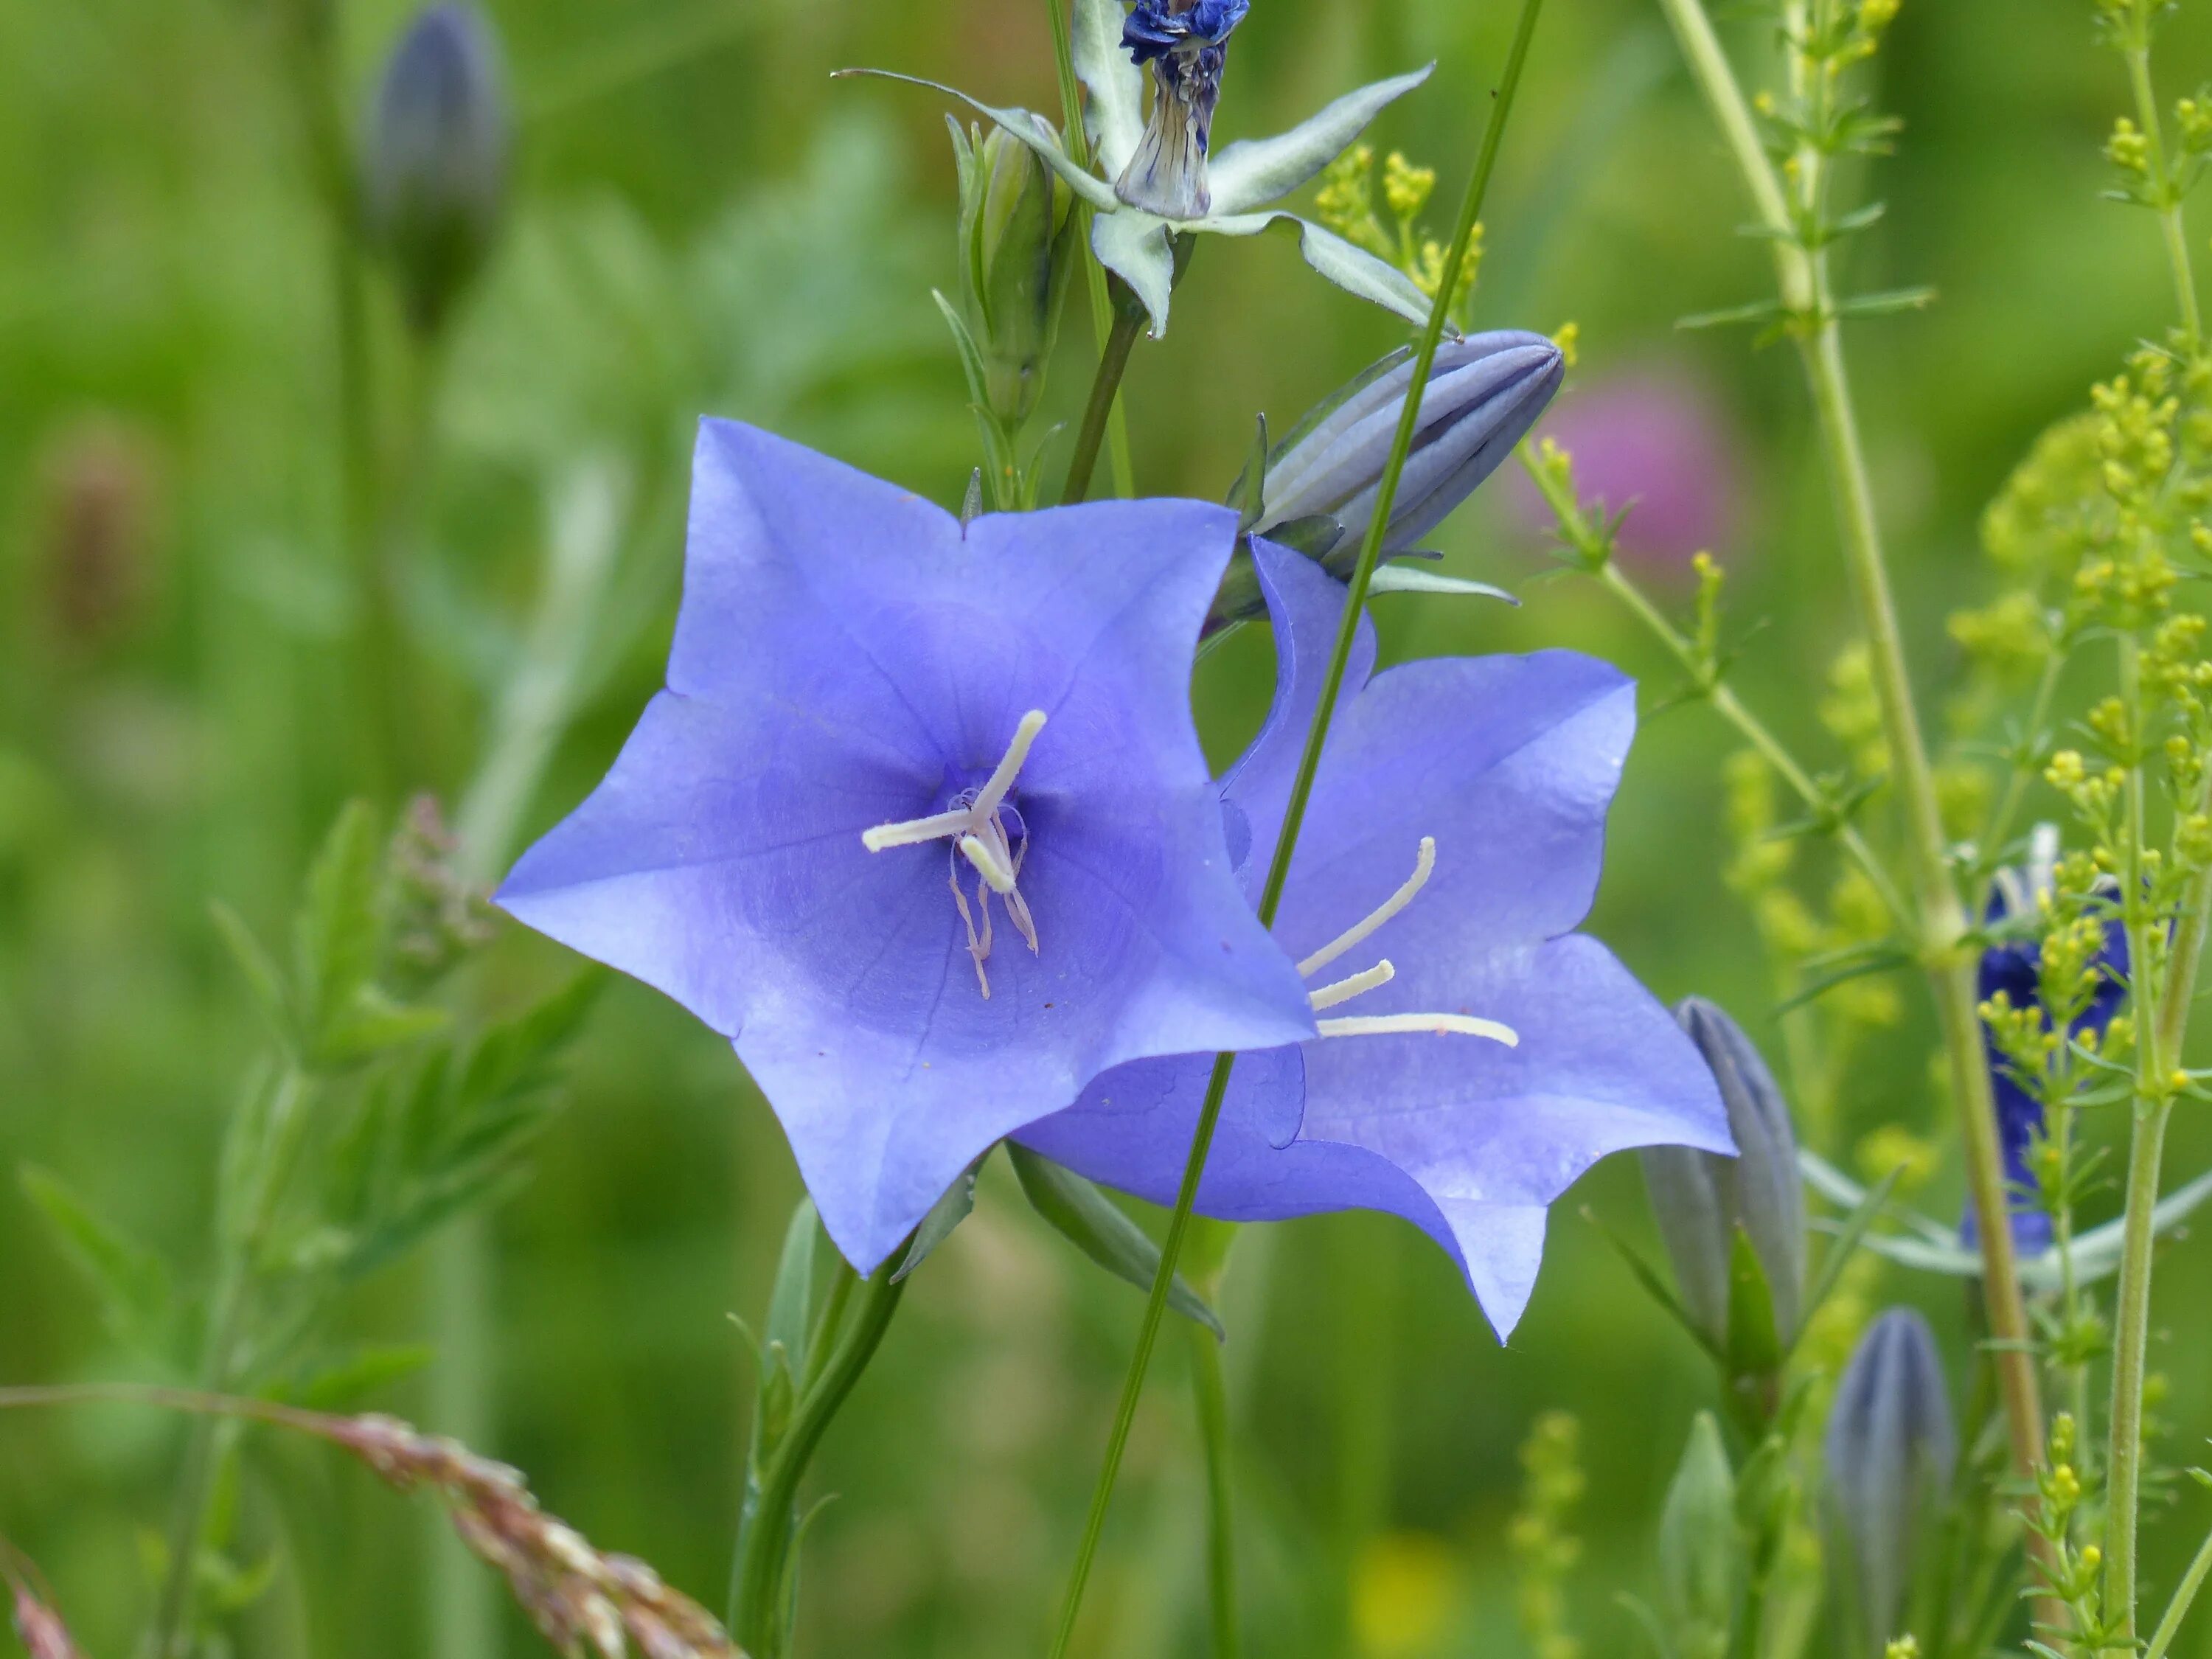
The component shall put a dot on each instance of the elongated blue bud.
(1700, 1199)
(435, 160)
(1484, 394)
(1890, 1448)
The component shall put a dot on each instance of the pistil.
(975, 824)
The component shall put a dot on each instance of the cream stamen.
(1343, 990)
(978, 833)
(1423, 865)
(1441, 1025)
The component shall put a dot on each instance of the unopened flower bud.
(1016, 251)
(435, 160)
(1890, 1450)
(1484, 394)
(1700, 1199)
(1701, 1551)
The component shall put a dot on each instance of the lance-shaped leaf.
(1095, 1225)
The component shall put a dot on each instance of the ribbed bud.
(1484, 394)
(435, 160)
(1890, 1447)
(1017, 247)
(1700, 1199)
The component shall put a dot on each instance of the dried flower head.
(582, 1602)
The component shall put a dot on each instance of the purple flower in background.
(1655, 442)
(2015, 966)
(1466, 1079)
(921, 822)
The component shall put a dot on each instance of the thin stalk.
(1278, 869)
(1078, 142)
(2170, 221)
(1105, 387)
(756, 1602)
(230, 1324)
(1754, 730)
(1213, 1400)
(2015, 789)
(2183, 1595)
(2153, 1103)
(1803, 280)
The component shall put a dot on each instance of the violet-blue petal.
(846, 657)
(1509, 763)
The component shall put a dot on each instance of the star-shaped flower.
(1492, 1055)
(921, 822)
(1231, 196)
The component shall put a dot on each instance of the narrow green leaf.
(1249, 495)
(1656, 1287)
(132, 1281)
(339, 931)
(255, 966)
(1759, 310)
(1846, 1243)
(344, 1384)
(1887, 303)
(1095, 1225)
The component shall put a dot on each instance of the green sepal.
(790, 1305)
(948, 1212)
(1754, 1342)
(1249, 495)
(1095, 1225)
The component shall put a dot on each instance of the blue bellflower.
(1187, 43)
(1492, 1055)
(921, 822)
(2015, 968)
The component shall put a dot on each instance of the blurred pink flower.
(1654, 440)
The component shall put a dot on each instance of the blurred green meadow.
(702, 221)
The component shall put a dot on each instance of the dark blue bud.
(435, 160)
(1484, 394)
(1890, 1450)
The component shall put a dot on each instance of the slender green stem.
(2170, 220)
(1212, 1399)
(1803, 279)
(2024, 767)
(2153, 1102)
(1101, 306)
(1755, 731)
(1278, 869)
(756, 1609)
(2183, 1595)
(1105, 387)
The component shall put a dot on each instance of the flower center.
(990, 835)
(1344, 990)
